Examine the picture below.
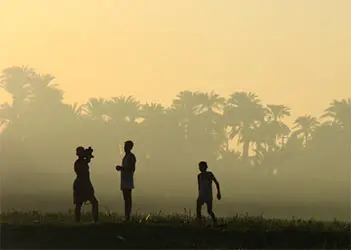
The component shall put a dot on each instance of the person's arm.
(130, 164)
(79, 168)
(217, 186)
(86, 161)
(76, 168)
(198, 182)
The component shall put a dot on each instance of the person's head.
(80, 151)
(203, 166)
(128, 146)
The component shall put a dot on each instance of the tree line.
(237, 133)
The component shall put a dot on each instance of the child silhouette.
(205, 179)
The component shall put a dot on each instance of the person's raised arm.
(87, 161)
(217, 186)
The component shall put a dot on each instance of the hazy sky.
(296, 52)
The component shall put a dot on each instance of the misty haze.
(264, 165)
(260, 90)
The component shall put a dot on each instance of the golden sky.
(293, 52)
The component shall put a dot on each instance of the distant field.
(35, 230)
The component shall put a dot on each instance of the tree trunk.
(283, 141)
(306, 139)
(246, 150)
(227, 145)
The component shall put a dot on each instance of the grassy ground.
(227, 206)
(36, 230)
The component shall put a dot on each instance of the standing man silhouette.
(127, 177)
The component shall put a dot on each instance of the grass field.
(37, 230)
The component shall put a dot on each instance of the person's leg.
(130, 203)
(77, 211)
(127, 196)
(95, 208)
(199, 204)
(210, 211)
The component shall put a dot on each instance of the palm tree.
(10, 131)
(16, 81)
(187, 100)
(152, 112)
(305, 126)
(210, 102)
(124, 108)
(244, 113)
(125, 116)
(72, 115)
(32, 94)
(340, 113)
(11, 124)
(275, 114)
(157, 129)
(44, 90)
(95, 109)
(210, 119)
(45, 100)
(195, 115)
(327, 137)
(263, 140)
(75, 109)
(184, 109)
(6, 114)
(95, 117)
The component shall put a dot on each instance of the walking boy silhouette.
(205, 179)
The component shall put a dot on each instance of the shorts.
(205, 197)
(82, 192)
(127, 183)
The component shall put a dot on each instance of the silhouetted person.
(204, 180)
(127, 177)
(83, 190)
